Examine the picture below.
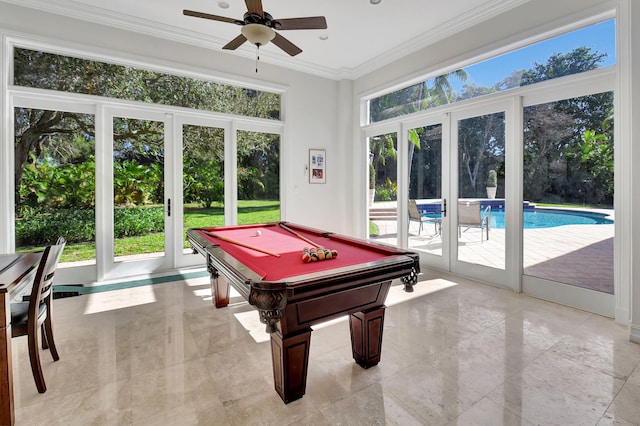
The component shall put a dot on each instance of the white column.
(634, 141)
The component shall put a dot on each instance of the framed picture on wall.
(317, 166)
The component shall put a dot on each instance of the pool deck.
(579, 255)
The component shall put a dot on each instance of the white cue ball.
(258, 233)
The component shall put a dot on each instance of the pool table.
(264, 264)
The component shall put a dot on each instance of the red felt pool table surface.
(276, 239)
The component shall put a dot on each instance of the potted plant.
(492, 184)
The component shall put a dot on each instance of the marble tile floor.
(454, 353)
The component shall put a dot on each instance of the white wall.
(634, 16)
(310, 111)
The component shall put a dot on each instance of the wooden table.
(16, 271)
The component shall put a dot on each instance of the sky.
(599, 37)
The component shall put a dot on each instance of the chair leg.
(34, 357)
(44, 343)
(48, 328)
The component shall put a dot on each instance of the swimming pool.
(550, 218)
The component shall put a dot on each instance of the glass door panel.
(425, 189)
(258, 177)
(55, 182)
(481, 203)
(202, 178)
(568, 230)
(138, 189)
(383, 188)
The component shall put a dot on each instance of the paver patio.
(579, 255)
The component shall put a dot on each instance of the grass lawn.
(249, 211)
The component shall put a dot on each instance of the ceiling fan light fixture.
(258, 34)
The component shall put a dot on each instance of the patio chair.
(472, 215)
(416, 216)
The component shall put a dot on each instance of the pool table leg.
(290, 357)
(219, 289)
(366, 336)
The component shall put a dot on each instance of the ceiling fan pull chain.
(257, 56)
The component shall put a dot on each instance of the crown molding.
(441, 32)
(75, 10)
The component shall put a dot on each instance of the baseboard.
(634, 333)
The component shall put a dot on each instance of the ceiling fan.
(258, 27)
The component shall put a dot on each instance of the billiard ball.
(258, 233)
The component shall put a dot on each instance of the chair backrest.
(414, 213)
(43, 282)
(469, 213)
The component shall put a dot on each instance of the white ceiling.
(361, 36)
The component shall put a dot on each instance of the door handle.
(444, 208)
(169, 207)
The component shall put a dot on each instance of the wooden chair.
(28, 316)
(471, 215)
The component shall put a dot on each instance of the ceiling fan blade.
(286, 45)
(235, 43)
(208, 16)
(254, 6)
(309, 23)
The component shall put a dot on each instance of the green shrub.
(130, 221)
(492, 179)
(41, 227)
(387, 192)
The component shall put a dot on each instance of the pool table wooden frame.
(290, 307)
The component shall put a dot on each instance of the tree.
(544, 129)
(42, 133)
(481, 144)
(421, 96)
(569, 143)
(579, 60)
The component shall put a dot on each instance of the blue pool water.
(549, 218)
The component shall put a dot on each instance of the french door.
(449, 160)
(426, 143)
(137, 187)
(201, 192)
(481, 209)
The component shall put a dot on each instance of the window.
(593, 45)
(67, 74)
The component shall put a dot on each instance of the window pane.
(67, 74)
(258, 177)
(383, 184)
(202, 177)
(425, 189)
(481, 203)
(138, 188)
(571, 53)
(568, 191)
(55, 182)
